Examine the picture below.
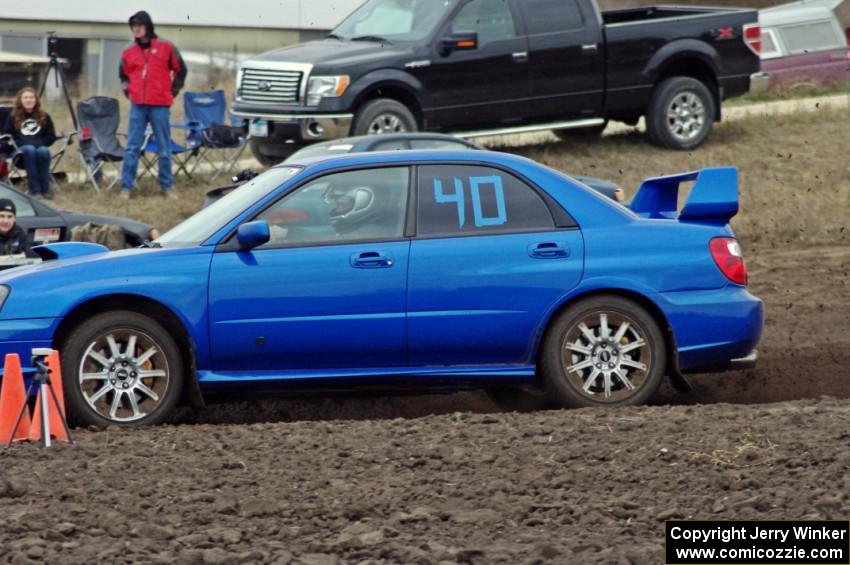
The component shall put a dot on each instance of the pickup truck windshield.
(196, 229)
(393, 20)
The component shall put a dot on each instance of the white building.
(92, 33)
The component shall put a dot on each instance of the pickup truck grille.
(264, 85)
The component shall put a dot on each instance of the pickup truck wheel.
(580, 134)
(383, 116)
(121, 368)
(680, 114)
(269, 158)
(602, 351)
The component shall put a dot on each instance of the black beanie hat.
(7, 205)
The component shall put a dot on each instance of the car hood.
(332, 55)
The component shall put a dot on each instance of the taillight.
(752, 37)
(726, 252)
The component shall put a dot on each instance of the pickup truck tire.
(580, 134)
(383, 115)
(680, 114)
(281, 153)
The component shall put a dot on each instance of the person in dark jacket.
(33, 133)
(152, 72)
(13, 240)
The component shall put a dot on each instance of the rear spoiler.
(713, 198)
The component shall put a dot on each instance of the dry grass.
(793, 171)
(146, 204)
(793, 176)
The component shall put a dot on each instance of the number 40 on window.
(476, 184)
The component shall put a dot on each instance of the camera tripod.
(41, 380)
(58, 76)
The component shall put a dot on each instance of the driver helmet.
(351, 206)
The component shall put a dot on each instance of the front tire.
(121, 368)
(383, 115)
(605, 350)
(269, 154)
(680, 114)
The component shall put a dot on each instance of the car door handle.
(520, 57)
(589, 48)
(548, 250)
(371, 260)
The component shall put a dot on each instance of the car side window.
(552, 16)
(349, 206)
(469, 199)
(491, 19)
(22, 204)
(810, 37)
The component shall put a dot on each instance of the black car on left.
(44, 224)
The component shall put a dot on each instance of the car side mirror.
(459, 41)
(251, 234)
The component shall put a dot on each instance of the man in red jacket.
(152, 73)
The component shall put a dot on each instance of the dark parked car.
(47, 225)
(802, 44)
(399, 142)
(481, 67)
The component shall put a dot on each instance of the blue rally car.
(398, 269)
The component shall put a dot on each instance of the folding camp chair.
(204, 117)
(99, 117)
(181, 155)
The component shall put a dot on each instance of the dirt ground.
(451, 478)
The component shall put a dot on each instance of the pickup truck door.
(480, 87)
(566, 59)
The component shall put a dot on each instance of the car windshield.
(199, 227)
(393, 20)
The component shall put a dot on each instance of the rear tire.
(605, 350)
(121, 368)
(681, 113)
(383, 115)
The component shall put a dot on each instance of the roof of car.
(407, 156)
(391, 136)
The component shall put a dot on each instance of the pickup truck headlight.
(4, 294)
(326, 87)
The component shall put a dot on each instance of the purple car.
(802, 43)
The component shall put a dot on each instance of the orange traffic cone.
(57, 427)
(12, 400)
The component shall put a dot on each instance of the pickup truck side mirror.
(459, 41)
(252, 234)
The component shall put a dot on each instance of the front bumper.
(301, 127)
(759, 82)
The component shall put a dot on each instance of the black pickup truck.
(485, 67)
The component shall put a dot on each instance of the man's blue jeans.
(37, 164)
(140, 116)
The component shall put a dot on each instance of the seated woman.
(33, 132)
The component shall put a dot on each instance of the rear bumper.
(715, 330)
(739, 364)
(759, 82)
